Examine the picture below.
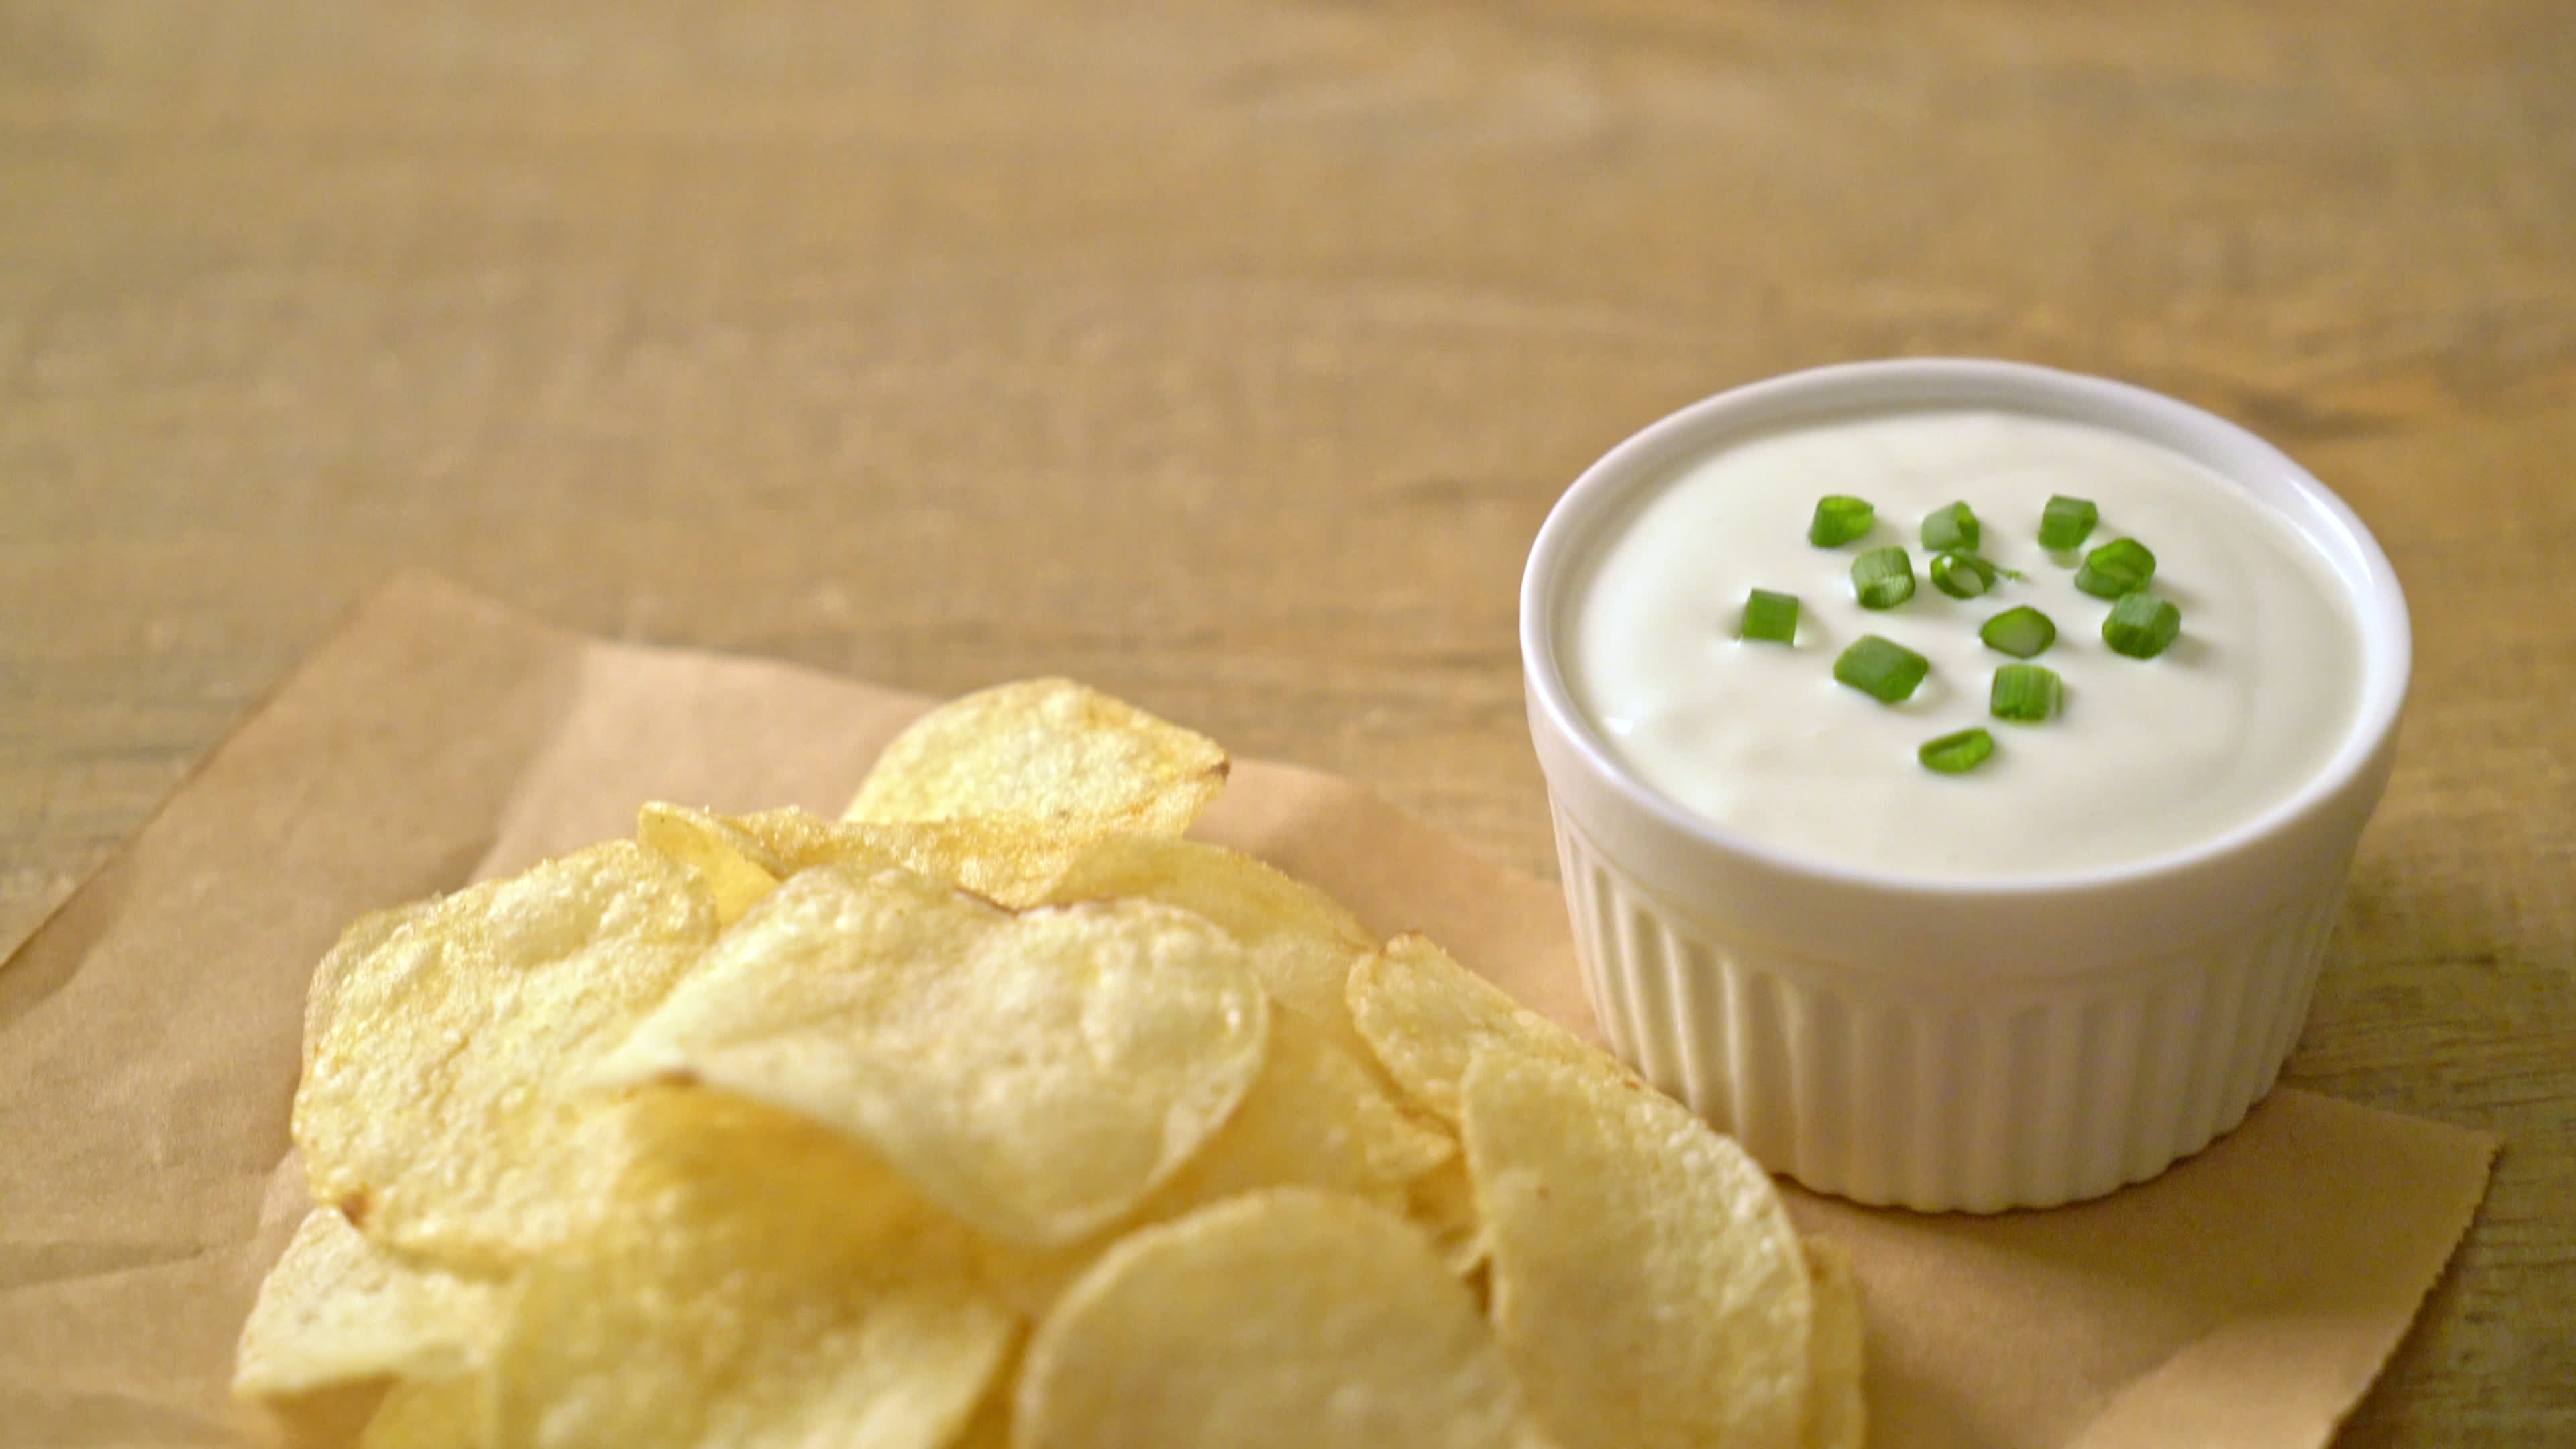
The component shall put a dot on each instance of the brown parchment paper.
(149, 1032)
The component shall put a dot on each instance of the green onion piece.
(2025, 693)
(2121, 566)
(1957, 754)
(1882, 578)
(2066, 522)
(1839, 519)
(1772, 617)
(2141, 625)
(2023, 633)
(1963, 575)
(1882, 669)
(1951, 528)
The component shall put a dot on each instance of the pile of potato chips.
(997, 1113)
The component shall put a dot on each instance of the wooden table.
(1228, 354)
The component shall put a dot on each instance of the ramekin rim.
(2380, 606)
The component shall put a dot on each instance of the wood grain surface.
(1228, 354)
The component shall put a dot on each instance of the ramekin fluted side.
(1903, 1093)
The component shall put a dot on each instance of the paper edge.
(2489, 1144)
(345, 623)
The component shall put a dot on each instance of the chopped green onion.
(2121, 566)
(1882, 669)
(1771, 617)
(2141, 625)
(1951, 528)
(1882, 578)
(2066, 522)
(1839, 519)
(2025, 693)
(1957, 754)
(1963, 575)
(2023, 633)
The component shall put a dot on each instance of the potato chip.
(989, 1427)
(331, 1418)
(773, 1130)
(1647, 1283)
(445, 1413)
(1442, 1202)
(755, 1280)
(1314, 1117)
(1289, 1318)
(1300, 942)
(340, 1310)
(1836, 1417)
(337, 1307)
(1007, 862)
(1426, 1015)
(739, 870)
(1049, 751)
(799, 840)
(442, 1039)
(1036, 1074)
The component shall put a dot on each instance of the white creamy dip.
(2147, 758)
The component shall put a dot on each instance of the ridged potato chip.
(1036, 1074)
(1286, 1318)
(1300, 942)
(738, 869)
(1007, 862)
(1647, 1283)
(1426, 1016)
(1836, 1417)
(342, 1317)
(442, 1041)
(1049, 751)
(755, 1280)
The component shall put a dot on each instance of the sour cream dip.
(2145, 759)
(2017, 986)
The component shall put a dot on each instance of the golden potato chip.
(1647, 1283)
(738, 870)
(331, 1418)
(755, 1280)
(1035, 1074)
(1288, 1318)
(437, 1098)
(338, 1309)
(799, 840)
(1836, 1418)
(774, 1130)
(989, 1427)
(1049, 751)
(1300, 942)
(1442, 1202)
(1007, 862)
(1314, 1118)
(1426, 1016)
(444, 1413)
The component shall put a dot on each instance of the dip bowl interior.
(1942, 1043)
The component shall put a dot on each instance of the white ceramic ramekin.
(1940, 1045)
